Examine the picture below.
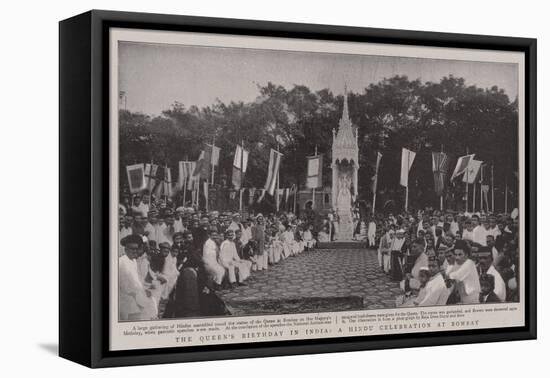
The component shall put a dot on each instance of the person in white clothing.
(485, 265)
(170, 268)
(435, 290)
(133, 298)
(215, 271)
(371, 233)
(237, 270)
(465, 275)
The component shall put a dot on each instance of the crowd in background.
(172, 259)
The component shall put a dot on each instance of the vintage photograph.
(270, 182)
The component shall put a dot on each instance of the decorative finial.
(345, 111)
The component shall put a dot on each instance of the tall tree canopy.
(396, 112)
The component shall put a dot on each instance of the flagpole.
(467, 180)
(212, 158)
(443, 186)
(407, 187)
(277, 190)
(375, 186)
(295, 195)
(474, 197)
(184, 189)
(313, 190)
(241, 180)
(481, 188)
(149, 184)
(492, 188)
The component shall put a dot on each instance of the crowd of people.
(172, 259)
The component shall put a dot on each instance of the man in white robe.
(133, 298)
(436, 292)
(170, 269)
(215, 271)
(465, 274)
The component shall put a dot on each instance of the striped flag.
(186, 169)
(407, 159)
(375, 177)
(241, 156)
(272, 171)
(461, 165)
(440, 167)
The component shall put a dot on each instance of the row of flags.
(157, 179)
(466, 166)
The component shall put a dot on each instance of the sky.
(154, 76)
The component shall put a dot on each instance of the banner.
(407, 159)
(163, 182)
(272, 171)
(150, 176)
(472, 171)
(186, 169)
(314, 172)
(461, 165)
(214, 153)
(375, 177)
(440, 167)
(241, 155)
(136, 178)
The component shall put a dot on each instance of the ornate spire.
(345, 112)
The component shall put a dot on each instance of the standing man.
(258, 235)
(133, 297)
(465, 274)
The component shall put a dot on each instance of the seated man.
(309, 240)
(435, 292)
(465, 274)
(485, 266)
(214, 270)
(237, 270)
(487, 294)
(417, 259)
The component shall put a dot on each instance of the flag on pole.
(407, 159)
(214, 153)
(191, 179)
(461, 165)
(440, 167)
(136, 177)
(186, 169)
(314, 172)
(241, 155)
(472, 171)
(272, 171)
(375, 177)
(150, 176)
(205, 192)
(287, 194)
(163, 182)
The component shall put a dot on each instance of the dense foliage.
(394, 113)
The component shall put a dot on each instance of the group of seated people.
(171, 259)
(442, 259)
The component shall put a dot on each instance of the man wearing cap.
(237, 270)
(419, 259)
(384, 249)
(396, 254)
(133, 298)
(236, 223)
(154, 230)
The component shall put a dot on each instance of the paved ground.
(316, 281)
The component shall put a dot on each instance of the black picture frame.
(83, 197)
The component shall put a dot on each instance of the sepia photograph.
(264, 180)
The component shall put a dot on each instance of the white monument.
(345, 164)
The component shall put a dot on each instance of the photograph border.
(84, 80)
